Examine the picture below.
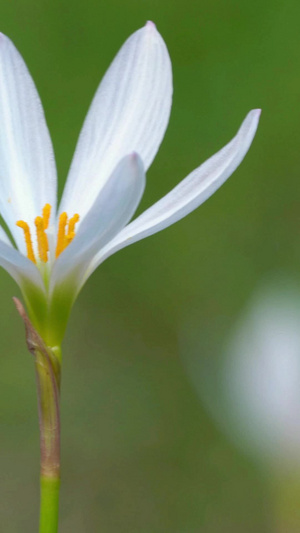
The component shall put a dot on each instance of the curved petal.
(112, 209)
(21, 269)
(129, 113)
(27, 168)
(4, 237)
(188, 194)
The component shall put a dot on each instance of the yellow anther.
(28, 241)
(61, 234)
(46, 215)
(65, 234)
(71, 228)
(42, 240)
(69, 238)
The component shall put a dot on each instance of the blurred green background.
(140, 453)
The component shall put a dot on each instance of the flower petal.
(4, 237)
(27, 168)
(129, 113)
(18, 266)
(112, 209)
(21, 269)
(188, 194)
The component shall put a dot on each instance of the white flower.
(261, 375)
(55, 252)
(253, 389)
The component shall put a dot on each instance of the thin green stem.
(48, 381)
(49, 504)
(48, 369)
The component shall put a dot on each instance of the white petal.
(189, 193)
(112, 209)
(4, 237)
(129, 113)
(27, 168)
(21, 269)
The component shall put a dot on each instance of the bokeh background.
(140, 451)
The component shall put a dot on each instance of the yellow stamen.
(46, 215)
(61, 234)
(71, 228)
(65, 234)
(28, 241)
(42, 240)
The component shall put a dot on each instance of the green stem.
(49, 504)
(48, 369)
(47, 366)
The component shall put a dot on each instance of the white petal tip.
(252, 119)
(151, 32)
(150, 25)
(134, 156)
(136, 159)
(255, 113)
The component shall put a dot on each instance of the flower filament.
(65, 234)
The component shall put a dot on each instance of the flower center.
(65, 234)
